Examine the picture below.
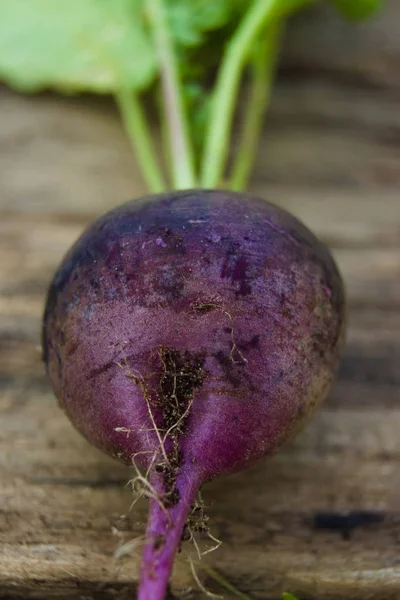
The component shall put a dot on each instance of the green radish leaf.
(96, 45)
(357, 9)
(190, 20)
(286, 596)
(75, 45)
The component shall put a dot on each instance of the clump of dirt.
(182, 374)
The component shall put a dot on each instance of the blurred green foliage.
(100, 45)
(97, 45)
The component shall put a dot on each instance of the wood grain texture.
(331, 155)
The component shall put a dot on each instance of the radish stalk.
(263, 65)
(139, 134)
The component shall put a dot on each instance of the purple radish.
(191, 333)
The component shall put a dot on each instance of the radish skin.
(191, 334)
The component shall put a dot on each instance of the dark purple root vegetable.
(191, 333)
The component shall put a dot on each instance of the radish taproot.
(191, 333)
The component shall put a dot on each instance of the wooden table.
(322, 518)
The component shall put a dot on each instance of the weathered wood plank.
(332, 47)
